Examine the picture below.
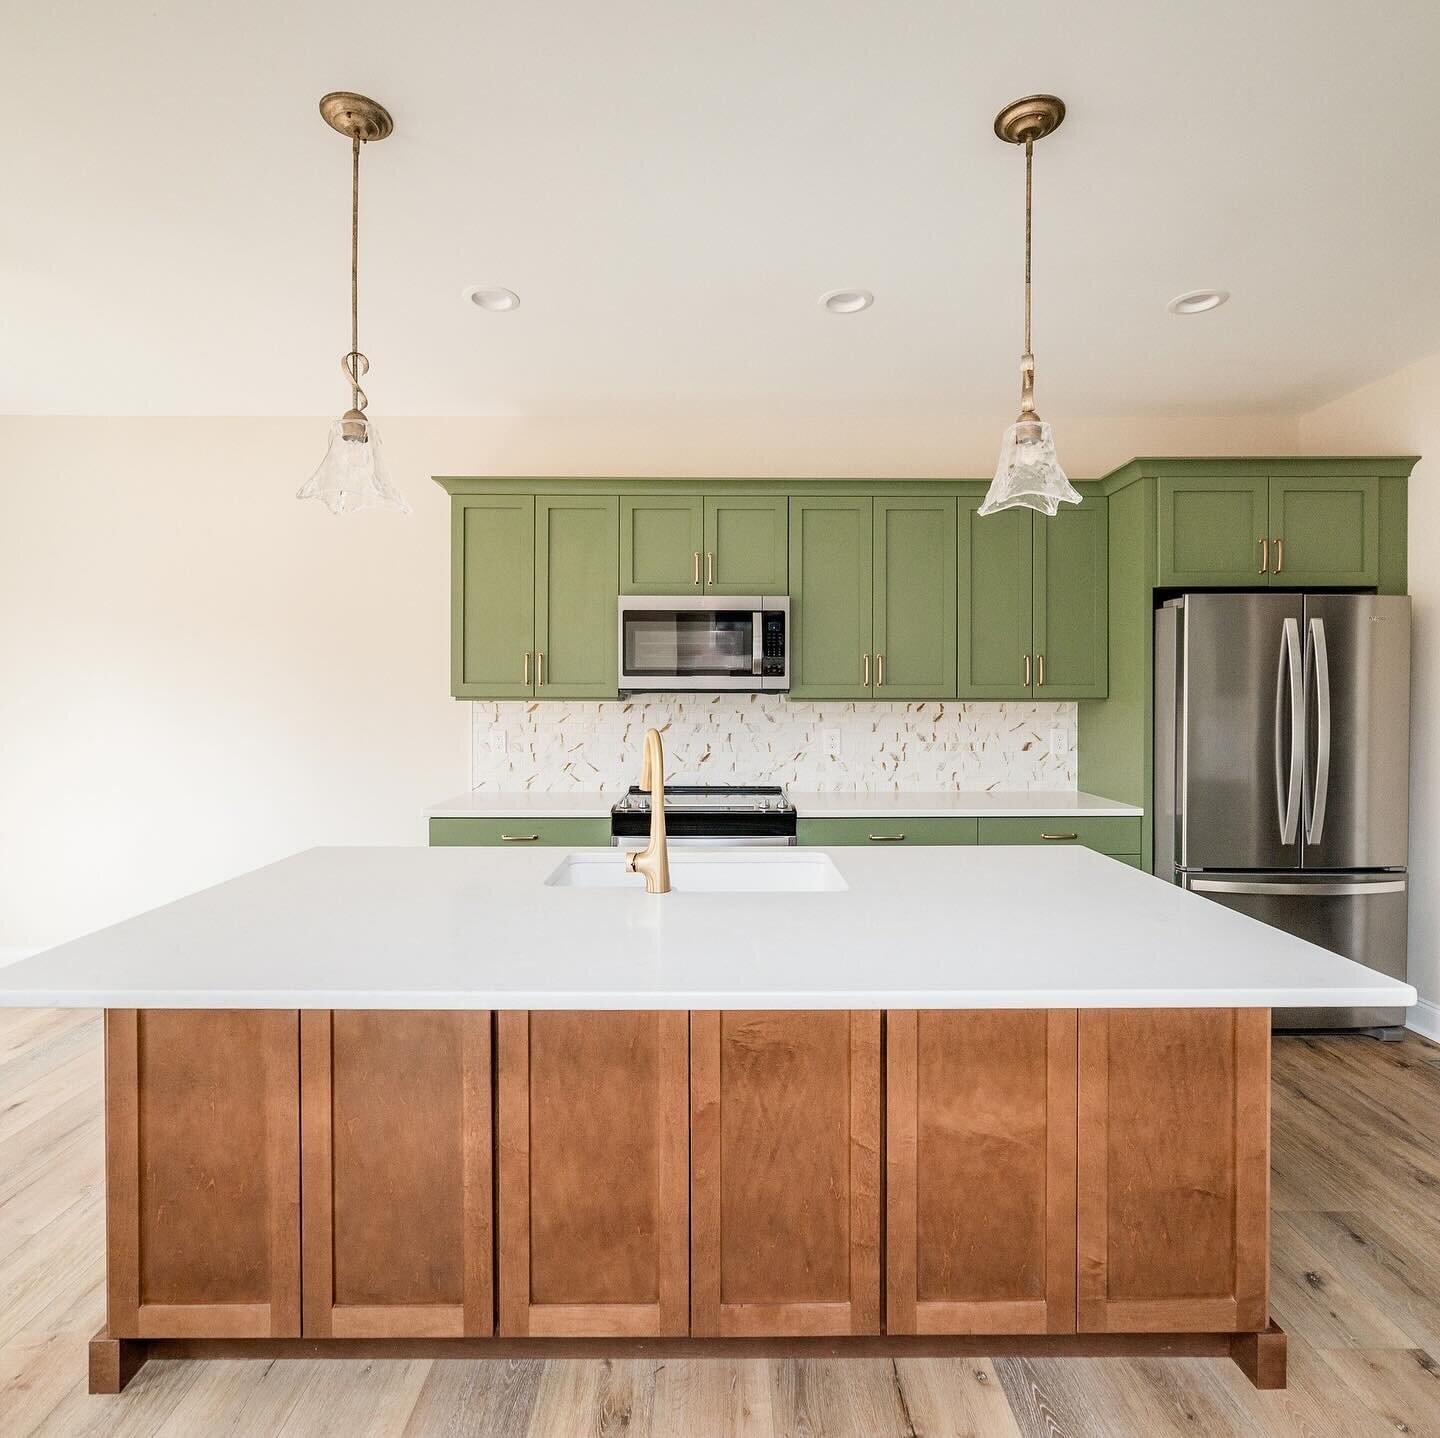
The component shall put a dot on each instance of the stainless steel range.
(709, 814)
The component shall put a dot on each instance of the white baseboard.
(1424, 1018)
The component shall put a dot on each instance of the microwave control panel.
(773, 650)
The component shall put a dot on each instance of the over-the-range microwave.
(704, 641)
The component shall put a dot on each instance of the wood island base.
(1260, 1356)
(554, 1183)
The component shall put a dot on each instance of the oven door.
(691, 641)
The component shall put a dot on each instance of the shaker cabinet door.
(914, 610)
(576, 587)
(492, 578)
(202, 1173)
(1174, 1170)
(1071, 602)
(662, 544)
(994, 603)
(1214, 533)
(593, 1157)
(785, 1173)
(747, 549)
(396, 1167)
(980, 1155)
(1325, 532)
(830, 599)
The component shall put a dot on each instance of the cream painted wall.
(199, 675)
(1401, 415)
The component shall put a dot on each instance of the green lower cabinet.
(1071, 602)
(886, 832)
(994, 603)
(1120, 835)
(576, 586)
(520, 832)
(830, 596)
(492, 584)
(1326, 531)
(1132, 859)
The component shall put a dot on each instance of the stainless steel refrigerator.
(1282, 759)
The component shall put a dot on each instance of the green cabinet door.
(1213, 532)
(492, 583)
(747, 544)
(914, 608)
(577, 576)
(1324, 531)
(1071, 602)
(662, 543)
(993, 603)
(830, 595)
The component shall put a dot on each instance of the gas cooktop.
(710, 813)
(710, 798)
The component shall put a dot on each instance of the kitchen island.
(845, 1101)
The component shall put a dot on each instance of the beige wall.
(199, 675)
(1401, 415)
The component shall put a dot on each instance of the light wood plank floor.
(1356, 1283)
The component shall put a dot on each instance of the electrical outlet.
(831, 741)
(497, 741)
(1059, 742)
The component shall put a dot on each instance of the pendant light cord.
(1029, 165)
(355, 364)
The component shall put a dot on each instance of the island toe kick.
(829, 1182)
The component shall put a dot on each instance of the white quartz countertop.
(960, 804)
(841, 804)
(460, 928)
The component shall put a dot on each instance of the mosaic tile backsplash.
(765, 739)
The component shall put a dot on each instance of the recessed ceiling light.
(493, 298)
(847, 302)
(1196, 302)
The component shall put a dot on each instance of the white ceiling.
(671, 184)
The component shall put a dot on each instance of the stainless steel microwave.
(704, 641)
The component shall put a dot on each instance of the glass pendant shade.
(353, 474)
(1029, 474)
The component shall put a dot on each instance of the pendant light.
(353, 474)
(1029, 474)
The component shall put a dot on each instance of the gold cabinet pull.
(697, 566)
(540, 670)
(526, 680)
(1264, 556)
(1279, 556)
(1040, 670)
(865, 683)
(1027, 671)
(1062, 838)
(709, 566)
(879, 670)
(518, 838)
(886, 838)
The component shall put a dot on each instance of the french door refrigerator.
(1282, 755)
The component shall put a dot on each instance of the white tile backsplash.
(766, 739)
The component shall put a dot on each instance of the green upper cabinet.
(704, 544)
(662, 543)
(1032, 603)
(747, 548)
(1325, 531)
(577, 580)
(913, 608)
(1290, 531)
(1213, 532)
(492, 580)
(830, 598)
(1071, 608)
(994, 601)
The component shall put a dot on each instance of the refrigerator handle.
(1318, 659)
(1287, 794)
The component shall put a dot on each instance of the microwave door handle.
(1318, 658)
(757, 641)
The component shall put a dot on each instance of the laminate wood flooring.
(1356, 1282)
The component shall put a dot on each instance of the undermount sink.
(709, 871)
